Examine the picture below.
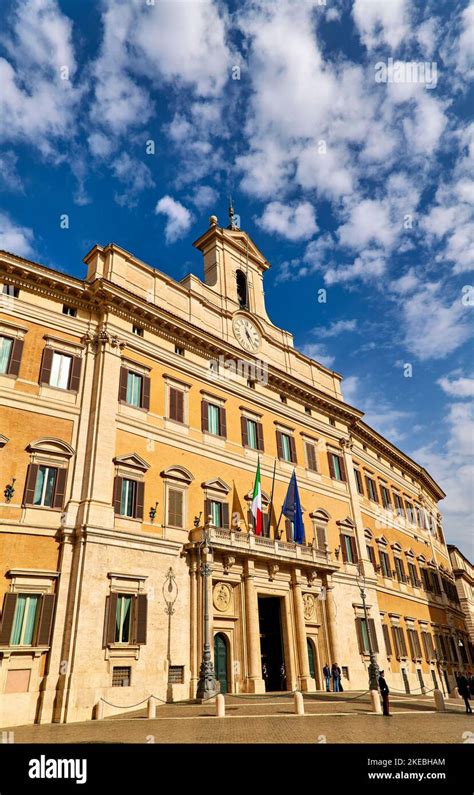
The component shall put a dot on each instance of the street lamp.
(207, 685)
(373, 665)
(170, 594)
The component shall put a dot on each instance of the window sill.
(42, 508)
(35, 651)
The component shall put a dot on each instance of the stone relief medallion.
(309, 606)
(222, 596)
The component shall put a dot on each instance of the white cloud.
(336, 328)
(380, 22)
(433, 326)
(464, 49)
(452, 467)
(15, 239)
(36, 105)
(9, 177)
(179, 219)
(462, 387)
(204, 196)
(319, 353)
(135, 175)
(350, 388)
(368, 267)
(295, 222)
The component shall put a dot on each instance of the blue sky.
(136, 119)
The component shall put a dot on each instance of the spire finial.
(231, 214)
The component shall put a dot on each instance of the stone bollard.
(151, 707)
(439, 701)
(220, 706)
(454, 693)
(99, 710)
(375, 701)
(299, 703)
(424, 691)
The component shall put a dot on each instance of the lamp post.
(207, 685)
(373, 665)
(170, 594)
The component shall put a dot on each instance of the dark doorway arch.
(221, 660)
(311, 658)
(242, 293)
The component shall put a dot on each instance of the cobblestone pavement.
(328, 718)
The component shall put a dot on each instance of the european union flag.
(292, 510)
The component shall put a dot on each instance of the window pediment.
(178, 473)
(382, 541)
(3, 440)
(51, 446)
(132, 461)
(217, 484)
(396, 547)
(346, 523)
(265, 497)
(368, 534)
(320, 515)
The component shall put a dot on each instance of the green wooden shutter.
(30, 484)
(46, 619)
(8, 614)
(15, 358)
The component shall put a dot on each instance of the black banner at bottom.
(121, 768)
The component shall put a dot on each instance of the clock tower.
(234, 268)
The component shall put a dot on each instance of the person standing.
(384, 692)
(463, 687)
(336, 677)
(327, 677)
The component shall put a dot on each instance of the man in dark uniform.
(384, 691)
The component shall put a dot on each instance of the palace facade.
(133, 411)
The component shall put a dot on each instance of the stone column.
(194, 633)
(255, 683)
(365, 563)
(331, 616)
(306, 682)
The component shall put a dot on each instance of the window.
(250, 383)
(428, 646)
(24, 622)
(176, 404)
(128, 497)
(364, 629)
(425, 576)
(399, 569)
(286, 447)
(336, 467)
(121, 676)
(123, 619)
(175, 507)
(71, 311)
(311, 456)
(137, 330)
(371, 489)
(219, 513)
(386, 501)
(399, 642)
(307, 410)
(178, 350)
(213, 419)
(371, 555)
(127, 503)
(332, 422)
(410, 512)
(283, 399)
(45, 483)
(6, 346)
(385, 564)
(414, 643)
(358, 480)
(435, 582)
(421, 517)
(399, 510)
(134, 389)
(386, 637)
(176, 675)
(241, 284)
(349, 549)
(60, 370)
(252, 433)
(9, 289)
(413, 575)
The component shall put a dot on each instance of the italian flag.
(257, 503)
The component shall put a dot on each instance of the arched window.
(242, 289)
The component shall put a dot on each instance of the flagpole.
(271, 497)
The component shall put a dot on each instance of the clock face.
(246, 333)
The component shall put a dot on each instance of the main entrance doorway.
(271, 646)
(220, 661)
